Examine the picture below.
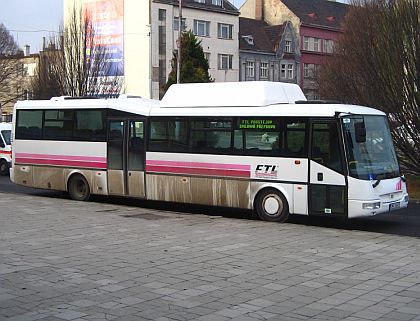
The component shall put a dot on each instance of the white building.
(215, 22)
(142, 37)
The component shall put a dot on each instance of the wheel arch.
(285, 189)
(70, 173)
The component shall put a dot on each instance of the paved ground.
(65, 260)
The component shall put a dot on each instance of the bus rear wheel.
(4, 168)
(271, 206)
(78, 188)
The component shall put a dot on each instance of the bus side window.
(29, 124)
(295, 139)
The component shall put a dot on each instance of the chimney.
(44, 43)
(259, 9)
(27, 50)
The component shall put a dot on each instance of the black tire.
(271, 206)
(4, 168)
(78, 188)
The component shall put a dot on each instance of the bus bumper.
(362, 208)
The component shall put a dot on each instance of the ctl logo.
(266, 171)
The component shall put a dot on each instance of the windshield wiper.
(376, 183)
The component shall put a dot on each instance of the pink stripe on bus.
(197, 171)
(62, 157)
(197, 164)
(58, 162)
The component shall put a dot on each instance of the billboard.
(107, 19)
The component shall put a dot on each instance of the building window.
(310, 70)
(290, 71)
(224, 31)
(312, 44)
(176, 24)
(207, 56)
(216, 2)
(288, 46)
(328, 46)
(306, 43)
(162, 14)
(283, 70)
(202, 28)
(225, 61)
(316, 44)
(249, 39)
(264, 70)
(250, 69)
(306, 70)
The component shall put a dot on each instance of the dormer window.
(312, 15)
(216, 2)
(249, 39)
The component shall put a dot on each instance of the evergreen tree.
(194, 65)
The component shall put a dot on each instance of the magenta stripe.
(61, 157)
(58, 162)
(197, 165)
(198, 171)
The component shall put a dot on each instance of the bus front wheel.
(78, 188)
(271, 206)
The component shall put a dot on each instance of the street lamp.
(178, 67)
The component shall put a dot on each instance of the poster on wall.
(107, 18)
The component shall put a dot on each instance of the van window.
(7, 136)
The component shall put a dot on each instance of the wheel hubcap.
(272, 205)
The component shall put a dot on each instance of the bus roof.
(231, 94)
(214, 99)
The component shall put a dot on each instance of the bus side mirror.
(360, 131)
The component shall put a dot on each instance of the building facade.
(142, 36)
(18, 86)
(317, 26)
(214, 22)
(268, 53)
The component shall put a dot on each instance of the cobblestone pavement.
(66, 260)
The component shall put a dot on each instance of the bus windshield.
(370, 151)
(6, 136)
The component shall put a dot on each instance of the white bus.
(5, 148)
(250, 145)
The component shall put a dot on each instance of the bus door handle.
(320, 177)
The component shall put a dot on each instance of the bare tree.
(9, 65)
(74, 64)
(377, 63)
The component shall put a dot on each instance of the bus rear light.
(297, 162)
(406, 198)
(371, 206)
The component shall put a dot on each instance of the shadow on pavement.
(405, 222)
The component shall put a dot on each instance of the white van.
(5, 148)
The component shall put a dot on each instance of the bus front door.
(126, 157)
(327, 184)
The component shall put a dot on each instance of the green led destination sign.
(257, 124)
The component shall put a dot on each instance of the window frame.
(206, 25)
(229, 61)
(229, 31)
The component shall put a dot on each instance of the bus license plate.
(394, 206)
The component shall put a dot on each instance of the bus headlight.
(371, 206)
(406, 199)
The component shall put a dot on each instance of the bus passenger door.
(327, 184)
(135, 158)
(126, 157)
